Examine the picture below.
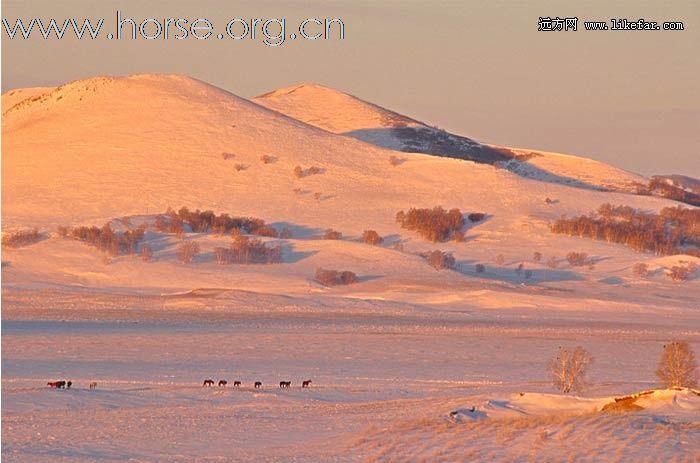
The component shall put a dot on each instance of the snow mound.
(666, 401)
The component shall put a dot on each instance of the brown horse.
(285, 384)
(258, 385)
(305, 384)
(222, 382)
(208, 382)
(236, 384)
(56, 384)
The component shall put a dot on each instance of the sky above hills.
(629, 98)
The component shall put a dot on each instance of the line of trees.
(20, 238)
(204, 221)
(105, 238)
(661, 187)
(674, 230)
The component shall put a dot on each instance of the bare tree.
(146, 253)
(569, 368)
(187, 250)
(677, 367)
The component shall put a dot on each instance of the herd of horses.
(207, 383)
(66, 384)
(257, 385)
(60, 384)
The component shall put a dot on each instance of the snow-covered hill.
(103, 148)
(341, 113)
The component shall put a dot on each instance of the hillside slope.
(104, 148)
(341, 113)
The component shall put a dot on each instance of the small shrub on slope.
(641, 270)
(331, 234)
(371, 237)
(334, 277)
(577, 259)
(440, 260)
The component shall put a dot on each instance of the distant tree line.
(661, 187)
(674, 230)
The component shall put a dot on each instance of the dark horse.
(306, 383)
(208, 382)
(69, 384)
(56, 384)
(236, 384)
(222, 382)
(285, 384)
(258, 385)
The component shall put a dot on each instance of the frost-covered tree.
(569, 369)
(677, 367)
